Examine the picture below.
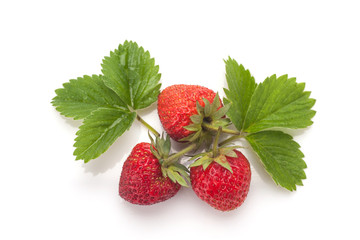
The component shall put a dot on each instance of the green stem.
(230, 139)
(147, 126)
(173, 158)
(215, 145)
(215, 129)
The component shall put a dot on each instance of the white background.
(45, 194)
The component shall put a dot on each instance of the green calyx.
(170, 167)
(207, 122)
(217, 154)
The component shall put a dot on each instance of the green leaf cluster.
(106, 103)
(256, 109)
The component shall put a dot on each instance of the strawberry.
(149, 174)
(224, 184)
(189, 112)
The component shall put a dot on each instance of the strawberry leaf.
(79, 97)
(279, 102)
(99, 130)
(280, 156)
(132, 74)
(241, 86)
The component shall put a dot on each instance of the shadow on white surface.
(185, 202)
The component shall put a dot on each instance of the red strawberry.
(219, 187)
(178, 103)
(142, 181)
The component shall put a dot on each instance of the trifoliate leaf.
(241, 86)
(279, 102)
(281, 157)
(99, 130)
(132, 74)
(79, 97)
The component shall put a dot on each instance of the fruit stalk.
(173, 158)
(225, 130)
(215, 146)
(230, 139)
(147, 126)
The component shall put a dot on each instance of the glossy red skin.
(219, 187)
(177, 103)
(141, 180)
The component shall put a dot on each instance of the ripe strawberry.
(151, 174)
(142, 181)
(177, 106)
(219, 187)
